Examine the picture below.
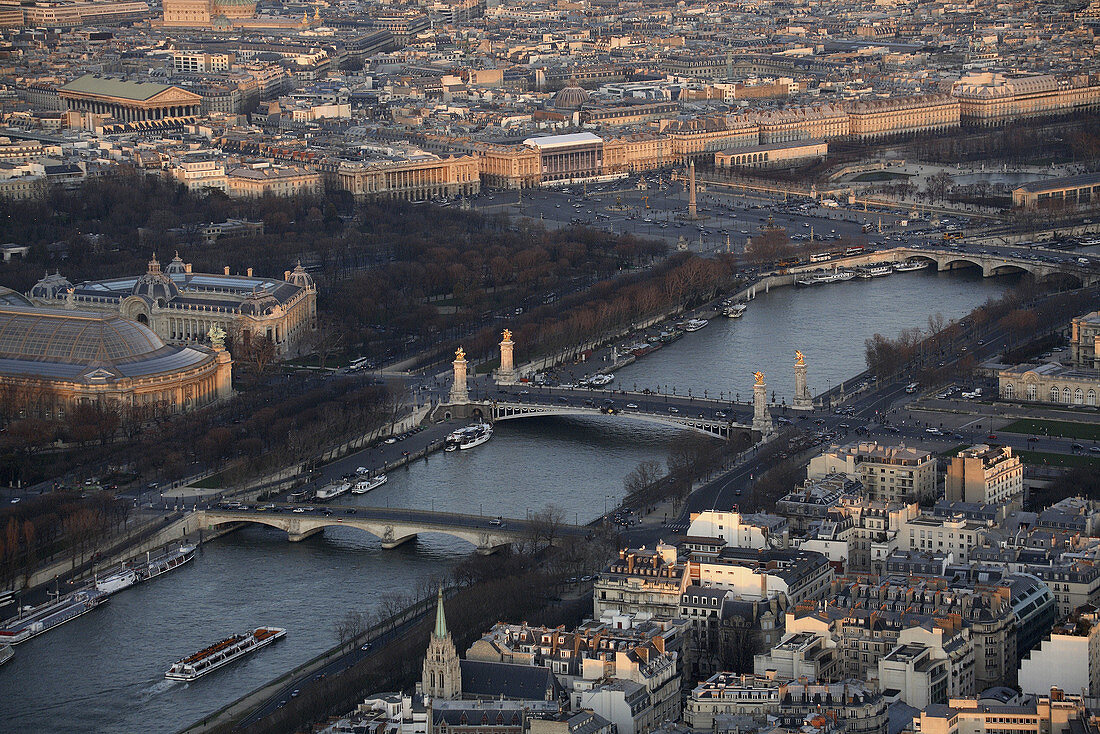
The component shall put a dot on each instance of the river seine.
(104, 672)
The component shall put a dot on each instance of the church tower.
(441, 677)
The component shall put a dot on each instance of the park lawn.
(1070, 461)
(214, 481)
(1037, 427)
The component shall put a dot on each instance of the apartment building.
(641, 582)
(887, 473)
(990, 475)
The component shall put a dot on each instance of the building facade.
(54, 360)
(181, 307)
(988, 475)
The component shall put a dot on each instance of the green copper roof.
(440, 617)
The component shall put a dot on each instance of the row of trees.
(389, 271)
(41, 528)
(1018, 312)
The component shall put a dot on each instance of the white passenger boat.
(332, 491)
(695, 324)
(876, 271)
(735, 311)
(53, 614)
(6, 653)
(223, 653)
(116, 582)
(366, 484)
(910, 265)
(168, 561)
(468, 437)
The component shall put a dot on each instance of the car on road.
(365, 646)
(1094, 449)
(719, 414)
(672, 409)
(361, 470)
(934, 431)
(390, 440)
(299, 510)
(632, 406)
(497, 521)
(1076, 446)
(992, 437)
(294, 693)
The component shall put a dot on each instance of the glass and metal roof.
(72, 337)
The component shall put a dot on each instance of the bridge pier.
(389, 540)
(295, 533)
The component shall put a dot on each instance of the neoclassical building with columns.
(181, 306)
(128, 101)
(1049, 383)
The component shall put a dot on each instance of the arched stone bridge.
(695, 414)
(392, 526)
(991, 264)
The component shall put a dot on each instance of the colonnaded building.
(52, 360)
(1077, 384)
(181, 306)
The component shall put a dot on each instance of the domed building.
(571, 98)
(52, 360)
(181, 306)
(233, 8)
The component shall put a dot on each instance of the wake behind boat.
(468, 437)
(222, 653)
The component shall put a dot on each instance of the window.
(1091, 398)
(1065, 395)
(1078, 397)
(1010, 391)
(1054, 395)
(1032, 392)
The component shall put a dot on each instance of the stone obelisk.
(802, 399)
(761, 418)
(460, 395)
(506, 373)
(693, 207)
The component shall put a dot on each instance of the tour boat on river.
(167, 561)
(52, 614)
(735, 311)
(876, 271)
(366, 484)
(911, 265)
(116, 582)
(332, 491)
(469, 437)
(695, 324)
(222, 653)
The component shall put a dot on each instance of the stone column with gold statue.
(506, 373)
(460, 395)
(761, 418)
(223, 377)
(802, 399)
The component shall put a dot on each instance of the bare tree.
(349, 627)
